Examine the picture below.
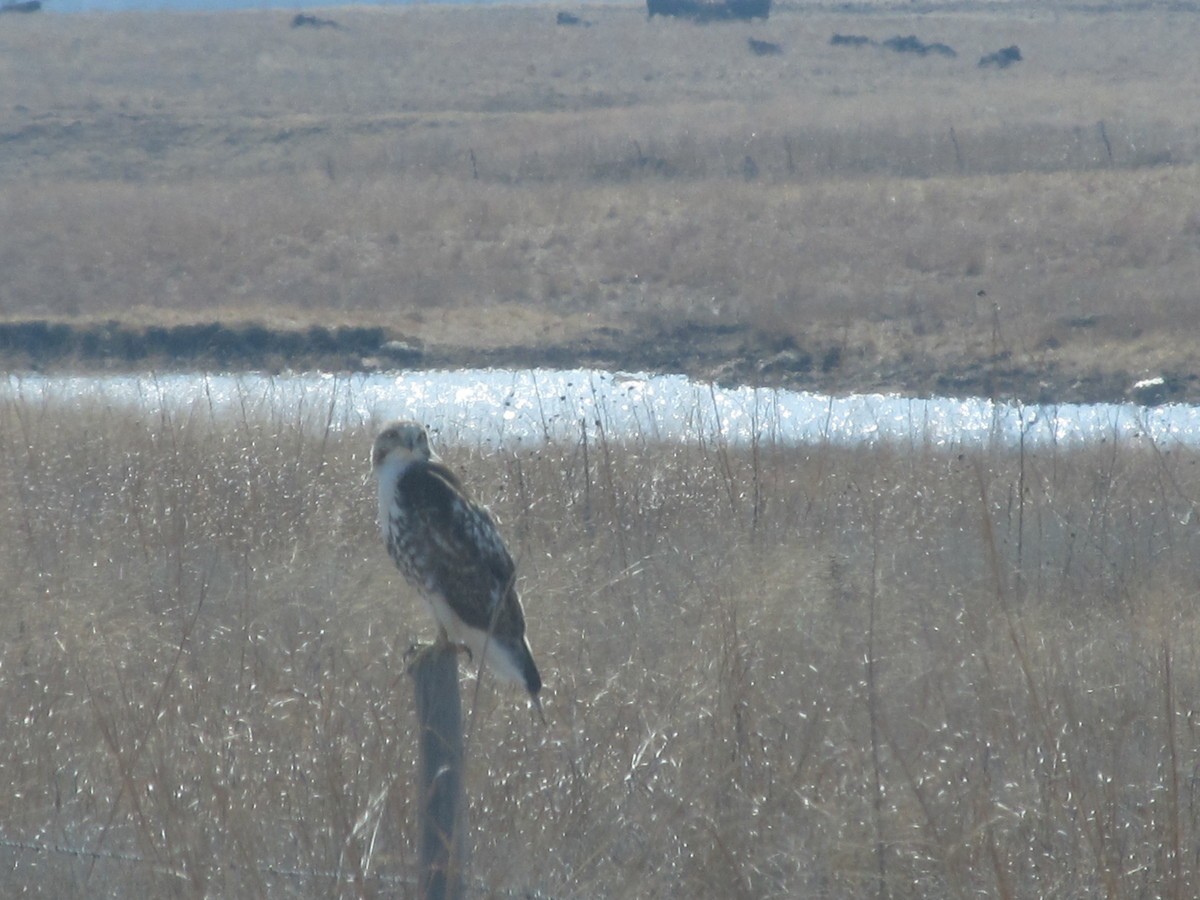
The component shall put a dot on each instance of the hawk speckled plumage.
(450, 549)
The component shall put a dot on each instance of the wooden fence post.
(441, 807)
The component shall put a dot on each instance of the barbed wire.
(480, 886)
(264, 868)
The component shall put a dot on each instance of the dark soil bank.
(726, 354)
(112, 345)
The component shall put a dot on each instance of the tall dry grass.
(424, 167)
(771, 671)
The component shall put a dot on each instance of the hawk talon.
(411, 652)
(414, 654)
(443, 640)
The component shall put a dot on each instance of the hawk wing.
(463, 555)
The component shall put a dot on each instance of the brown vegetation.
(818, 670)
(482, 179)
(777, 671)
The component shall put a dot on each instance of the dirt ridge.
(726, 354)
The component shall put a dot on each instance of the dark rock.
(25, 6)
(1001, 59)
(913, 44)
(305, 21)
(764, 48)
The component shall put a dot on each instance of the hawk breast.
(447, 545)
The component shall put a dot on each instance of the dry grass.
(425, 164)
(783, 671)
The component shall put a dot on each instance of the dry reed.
(772, 671)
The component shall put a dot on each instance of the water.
(530, 406)
(92, 6)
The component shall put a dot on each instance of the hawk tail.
(529, 669)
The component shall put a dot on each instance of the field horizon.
(490, 187)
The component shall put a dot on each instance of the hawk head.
(401, 443)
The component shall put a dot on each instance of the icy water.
(95, 6)
(530, 406)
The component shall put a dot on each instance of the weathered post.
(441, 808)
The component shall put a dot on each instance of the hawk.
(450, 549)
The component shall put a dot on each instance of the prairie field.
(480, 180)
(775, 670)
(772, 671)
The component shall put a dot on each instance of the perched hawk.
(449, 548)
